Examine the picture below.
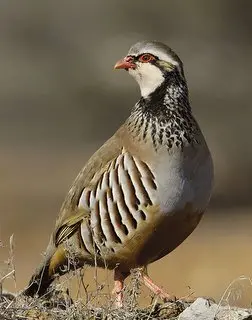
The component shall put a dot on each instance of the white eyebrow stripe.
(161, 56)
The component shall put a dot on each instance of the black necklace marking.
(165, 115)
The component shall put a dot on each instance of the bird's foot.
(156, 289)
(118, 292)
(119, 278)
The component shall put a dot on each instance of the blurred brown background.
(60, 100)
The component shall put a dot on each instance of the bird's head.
(151, 63)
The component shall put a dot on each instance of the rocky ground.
(201, 309)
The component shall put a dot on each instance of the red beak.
(125, 63)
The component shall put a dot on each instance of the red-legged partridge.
(145, 190)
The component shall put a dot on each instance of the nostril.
(129, 59)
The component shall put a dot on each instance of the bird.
(146, 188)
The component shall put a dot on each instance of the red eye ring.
(146, 57)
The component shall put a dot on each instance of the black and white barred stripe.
(117, 203)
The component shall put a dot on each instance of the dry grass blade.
(24, 308)
(58, 305)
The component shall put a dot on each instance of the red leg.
(156, 289)
(146, 280)
(119, 278)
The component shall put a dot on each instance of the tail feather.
(39, 283)
(45, 273)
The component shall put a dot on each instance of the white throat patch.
(148, 76)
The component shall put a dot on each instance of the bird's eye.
(146, 57)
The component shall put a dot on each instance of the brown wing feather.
(93, 170)
(70, 226)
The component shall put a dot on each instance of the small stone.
(203, 309)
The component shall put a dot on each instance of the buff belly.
(153, 239)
